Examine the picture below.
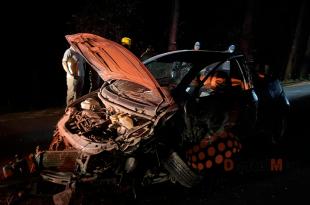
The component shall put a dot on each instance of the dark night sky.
(33, 39)
(33, 42)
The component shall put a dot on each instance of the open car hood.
(114, 62)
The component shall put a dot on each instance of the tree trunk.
(305, 68)
(296, 50)
(247, 32)
(174, 26)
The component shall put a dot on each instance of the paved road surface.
(298, 90)
(26, 130)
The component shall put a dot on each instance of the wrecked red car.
(172, 118)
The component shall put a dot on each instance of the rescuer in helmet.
(126, 42)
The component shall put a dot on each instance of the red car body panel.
(114, 62)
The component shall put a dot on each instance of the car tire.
(180, 172)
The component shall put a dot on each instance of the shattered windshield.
(169, 73)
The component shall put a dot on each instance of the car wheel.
(180, 172)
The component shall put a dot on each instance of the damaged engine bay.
(106, 138)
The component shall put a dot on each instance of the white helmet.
(197, 45)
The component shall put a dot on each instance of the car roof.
(197, 56)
